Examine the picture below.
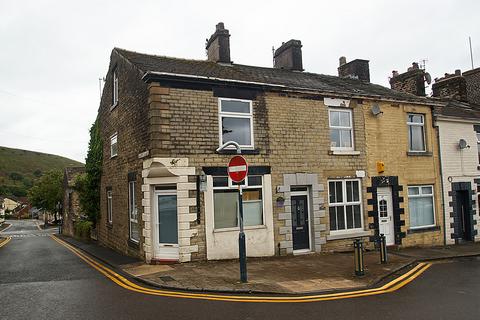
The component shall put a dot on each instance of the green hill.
(20, 168)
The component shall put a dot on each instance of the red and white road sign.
(237, 169)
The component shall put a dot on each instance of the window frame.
(112, 137)
(237, 115)
(344, 204)
(424, 136)
(245, 186)
(351, 128)
(109, 206)
(477, 134)
(421, 195)
(115, 88)
(131, 198)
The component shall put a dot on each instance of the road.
(41, 279)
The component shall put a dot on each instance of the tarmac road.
(41, 279)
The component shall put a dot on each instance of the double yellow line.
(125, 283)
(5, 241)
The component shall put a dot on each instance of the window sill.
(423, 229)
(113, 106)
(344, 152)
(243, 151)
(113, 157)
(349, 235)
(236, 229)
(419, 153)
(109, 225)
(133, 244)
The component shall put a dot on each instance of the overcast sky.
(52, 53)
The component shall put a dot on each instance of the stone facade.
(387, 142)
(472, 78)
(71, 204)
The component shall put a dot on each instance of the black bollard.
(358, 257)
(383, 249)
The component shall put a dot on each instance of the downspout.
(443, 191)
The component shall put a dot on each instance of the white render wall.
(457, 165)
(223, 244)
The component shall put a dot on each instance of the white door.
(165, 230)
(385, 214)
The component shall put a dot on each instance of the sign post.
(237, 171)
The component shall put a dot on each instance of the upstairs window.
(113, 146)
(115, 88)
(236, 121)
(341, 129)
(416, 132)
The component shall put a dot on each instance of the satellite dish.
(462, 144)
(376, 110)
(428, 78)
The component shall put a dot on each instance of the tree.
(47, 191)
(88, 184)
(37, 173)
(15, 176)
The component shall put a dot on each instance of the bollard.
(383, 249)
(358, 256)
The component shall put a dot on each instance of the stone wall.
(472, 78)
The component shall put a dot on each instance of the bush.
(82, 229)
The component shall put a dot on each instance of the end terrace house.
(165, 193)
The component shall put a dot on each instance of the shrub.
(82, 229)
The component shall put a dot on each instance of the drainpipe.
(443, 191)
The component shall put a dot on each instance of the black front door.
(464, 217)
(301, 237)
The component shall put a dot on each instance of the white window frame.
(115, 88)
(245, 186)
(330, 110)
(344, 204)
(113, 137)
(421, 195)
(131, 198)
(109, 206)
(415, 124)
(235, 115)
(478, 145)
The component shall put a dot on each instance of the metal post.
(383, 249)
(358, 257)
(242, 249)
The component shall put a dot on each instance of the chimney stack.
(289, 56)
(472, 77)
(412, 81)
(355, 69)
(452, 86)
(218, 46)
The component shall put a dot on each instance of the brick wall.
(130, 120)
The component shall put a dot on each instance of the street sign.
(237, 169)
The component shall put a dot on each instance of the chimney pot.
(218, 45)
(289, 56)
(458, 72)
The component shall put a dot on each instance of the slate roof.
(458, 109)
(273, 76)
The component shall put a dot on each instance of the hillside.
(20, 168)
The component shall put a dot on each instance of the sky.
(52, 53)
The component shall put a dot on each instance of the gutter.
(154, 75)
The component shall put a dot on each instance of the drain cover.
(166, 278)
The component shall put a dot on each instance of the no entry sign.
(237, 169)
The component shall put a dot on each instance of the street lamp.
(242, 247)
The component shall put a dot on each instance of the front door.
(166, 225)
(300, 225)
(385, 214)
(464, 227)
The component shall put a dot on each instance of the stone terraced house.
(315, 145)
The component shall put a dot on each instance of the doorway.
(300, 221)
(463, 215)
(166, 224)
(385, 214)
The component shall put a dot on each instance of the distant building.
(71, 204)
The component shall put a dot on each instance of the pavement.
(42, 279)
(311, 273)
